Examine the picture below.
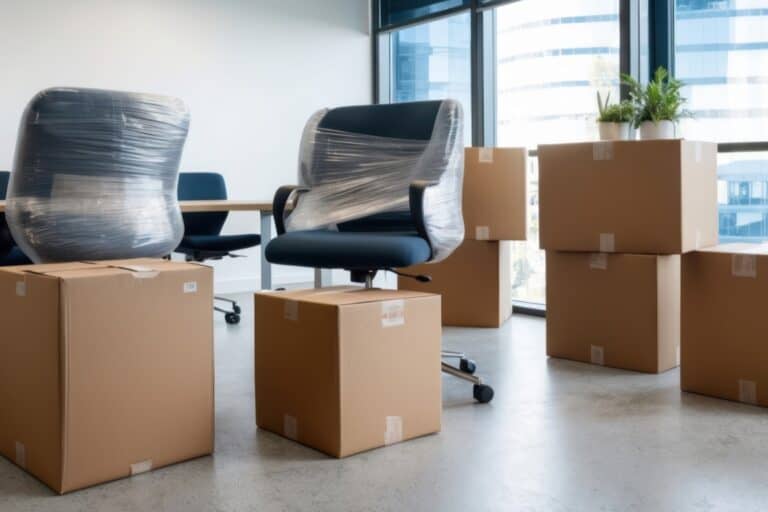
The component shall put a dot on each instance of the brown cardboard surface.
(109, 371)
(335, 374)
(622, 309)
(648, 197)
(723, 351)
(495, 196)
(474, 283)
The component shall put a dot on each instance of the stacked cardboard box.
(614, 218)
(475, 280)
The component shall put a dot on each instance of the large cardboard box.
(618, 310)
(724, 349)
(646, 197)
(106, 369)
(474, 282)
(345, 370)
(495, 197)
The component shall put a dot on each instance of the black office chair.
(10, 254)
(380, 190)
(202, 230)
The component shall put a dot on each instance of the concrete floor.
(560, 436)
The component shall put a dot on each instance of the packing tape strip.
(144, 466)
(744, 265)
(597, 355)
(392, 313)
(482, 232)
(598, 261)
(602, 150)
(393, 432)
(290, 427)
(485, 155)
(21, 455)
(607, 242)
(291, 310)
(748, 391)
(21, 288)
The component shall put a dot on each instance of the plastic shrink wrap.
(95, 175)
(351, 176)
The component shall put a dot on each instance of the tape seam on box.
(392, 313)
(291, 310)
(21, 455)
(21, 288)
(485, 155)
(607, 242)
(744, 265)
(144, 466)
(290, 427)
(393, 432)
(482, 232)
(602, 150)
(748, 391)
(598, 261)
(597, 355)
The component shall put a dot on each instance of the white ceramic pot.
(615, 131)
(661, 130)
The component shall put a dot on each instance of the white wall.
(251, 72)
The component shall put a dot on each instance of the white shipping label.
(21, 455)
(485, 155)
(190, 287)
(482, 233)
(598, 261)
(290, 427)
(392, 313)
(602, 151)
(144, 466)
(393, 432)
(744, 265)
(748, 392)
(21, 288)
(596, 355)
(291, 310)
(607, 242)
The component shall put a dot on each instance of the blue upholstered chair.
(202, 231)
(336, 160)
(10, 254)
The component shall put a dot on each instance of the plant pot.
(615, 131)
(661, 130)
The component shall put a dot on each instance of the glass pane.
(721, 52)
(552, 56)
(432, 62)
(394, 12)
(742, 195)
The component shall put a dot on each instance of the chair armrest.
(416, 202)
(280, 202)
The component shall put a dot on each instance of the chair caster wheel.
(232, 318)
(483, 393)
(236, 309)
(467, 365)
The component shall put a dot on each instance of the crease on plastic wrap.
(351, 176)
(95, 175)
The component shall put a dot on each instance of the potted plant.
(658, 105)
(614, 120)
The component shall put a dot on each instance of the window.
(721, 53)
(394, 12)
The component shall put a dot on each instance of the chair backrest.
(95, 175)
(199, 186)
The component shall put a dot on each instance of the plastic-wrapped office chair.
(380, 189)
(202, 231)
(10, 254)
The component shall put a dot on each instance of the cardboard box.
(495, 197)
(345, 370)
(646, 197)
(106, 369)
(474, 282)
(618, 310)
(724, 350)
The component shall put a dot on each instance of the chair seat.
(348, 250)
(217, 243)
(15, 257)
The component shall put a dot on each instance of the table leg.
(266, 236)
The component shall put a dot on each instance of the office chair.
(380, 190)
(202, 230)
(10, 254)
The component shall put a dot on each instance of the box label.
(144, 466)
(290, 427)
(748, 392)
(291, 310)
(485, 155)
(392, 313)
(596, 355)
(744, 265)
(393, 432)
(598, 261)
(602, 151)
(21, 455)
(482, 232)
(607, 242)
(190, 287)
(21, 288)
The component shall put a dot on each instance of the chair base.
(482, 392)
(231, 316)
